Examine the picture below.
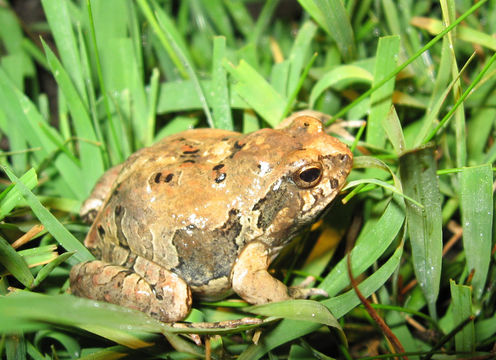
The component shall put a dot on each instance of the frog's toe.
(301, 293)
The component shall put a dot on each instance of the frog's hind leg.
(100, 191)
(160, 293)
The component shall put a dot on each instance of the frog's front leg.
(251, 280)
(159, 293)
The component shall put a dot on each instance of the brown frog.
(204, 212)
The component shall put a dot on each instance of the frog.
(203, 213)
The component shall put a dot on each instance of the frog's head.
(305, 180)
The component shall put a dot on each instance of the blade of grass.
(22, 309)
(262, 21)
(48, 268)
(64, 237)
(69, 343)
(479, 130)
(15, 264)
(302, 310)
(380, 100)
(111, 121)
(181, 96)
(392, 126)
(118, 336)
(438, 99)
(466, 93)
(39, 255)
(152, 106)
(419, 179)
(294, 94)
(241, 16)
(32, 50)
(476, 202)
(57, 14)
(279, 76)
(448, 10)
(299, 55)
(339, 78)
(136, 35)
(15, 346)
(465, 33)
(90, 155)
(218, 15)
(168, 31)
(462, 309)
(164, 40)
(331, 15)
(109, 353)
(257, 92)
(221, 110)
(38, 133)
(383, 184)
(11, 197)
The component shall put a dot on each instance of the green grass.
(128, 73)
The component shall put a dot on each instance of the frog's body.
(205, 211)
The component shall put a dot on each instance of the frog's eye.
(308, 175)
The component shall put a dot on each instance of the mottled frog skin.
(204, 212)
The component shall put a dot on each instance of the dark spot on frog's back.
(218, 167)
(189, 152)
(237, 146)
(101, 231)
(204, 256)
(119, 213)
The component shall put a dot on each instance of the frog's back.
(170, 204)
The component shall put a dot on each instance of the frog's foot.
(250, 278)
(304, 291)
(164, 296)
(297, 292)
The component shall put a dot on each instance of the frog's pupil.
(310, 175)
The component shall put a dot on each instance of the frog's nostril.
(345, 158)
